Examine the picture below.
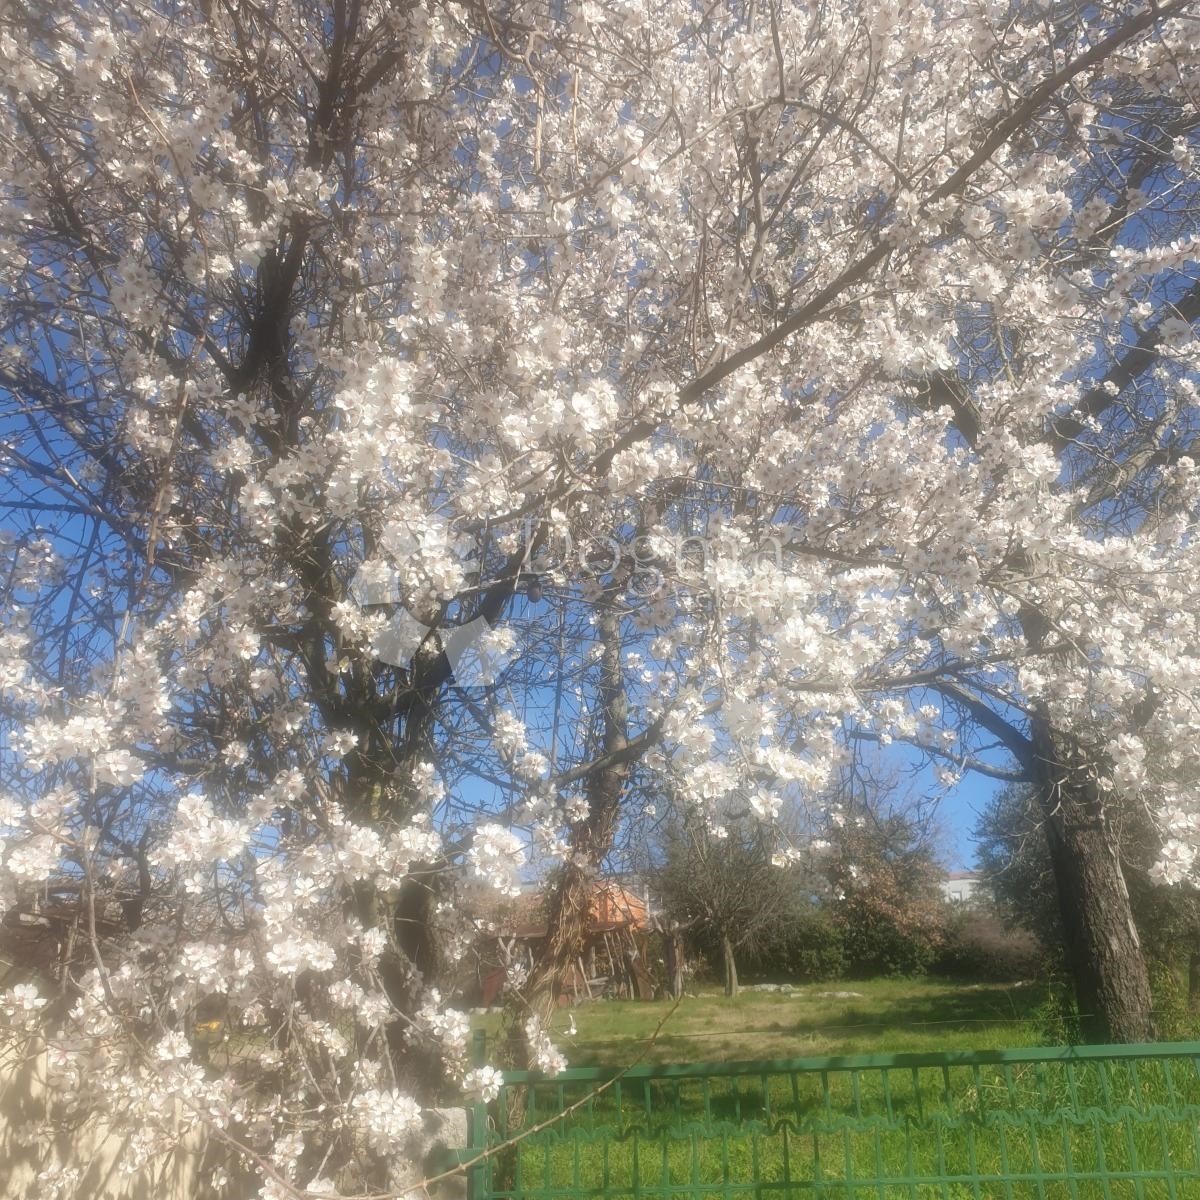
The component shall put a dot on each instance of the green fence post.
(477, 1175)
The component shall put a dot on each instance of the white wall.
(959, 890)
(91, 1149)
(95, 1152)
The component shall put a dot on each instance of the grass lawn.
(887, 1015)
(1079, 1130)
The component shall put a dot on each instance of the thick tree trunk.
(731, 976)
(1112, 986)
(1104, 953)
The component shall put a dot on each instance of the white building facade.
(959, 887)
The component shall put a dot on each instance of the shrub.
(805, 945)
(979, 945)
(1173, 1018)
(875, 945)
(1056, 1018)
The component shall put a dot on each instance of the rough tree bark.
(730, 961)
(1104, 952)
(1102, 947)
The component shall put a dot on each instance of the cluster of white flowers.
(386, 1117)
(543, 1053)
(447, 1026)
(20, 1005)
(496, 855)
(483, 1083)
(199, 837)
(290, 955)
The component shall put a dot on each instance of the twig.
(463, 1167)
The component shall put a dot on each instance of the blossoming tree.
(848, 347)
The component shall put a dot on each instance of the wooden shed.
(614, 959)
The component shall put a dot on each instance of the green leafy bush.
(805, 945)
(1174, 1021)
(876, 945)
(1057, 1017)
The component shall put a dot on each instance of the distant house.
(960, 886)
(617, 903)
(614, 958)
(613, 904)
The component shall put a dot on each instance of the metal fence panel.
(1070, 1123)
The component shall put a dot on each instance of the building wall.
(959, 891)
(616, 905)
(93, 1153)
(90, 1149)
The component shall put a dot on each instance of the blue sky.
(959, 811)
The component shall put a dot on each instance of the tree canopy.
(426, 423)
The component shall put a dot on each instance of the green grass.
(983, 1132)
(891, 1015)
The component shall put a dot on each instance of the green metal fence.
(1102, 1122)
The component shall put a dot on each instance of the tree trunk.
(673, 945)
(1103, 950)
(1104, 953)
(570, 906)
(731, 978)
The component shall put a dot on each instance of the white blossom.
(483, 1083)
(387, 1117)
